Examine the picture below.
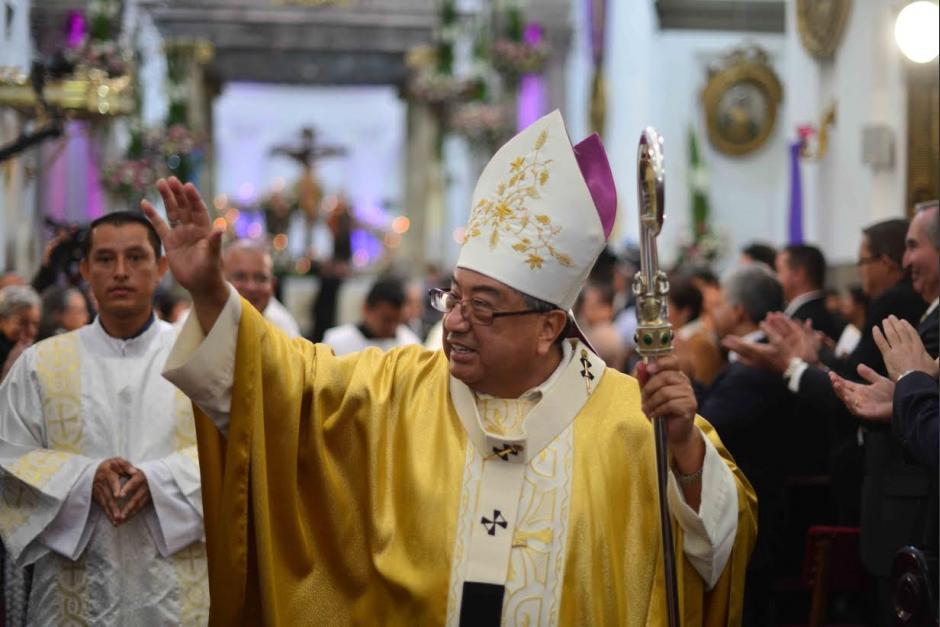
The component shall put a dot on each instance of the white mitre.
(542, 212)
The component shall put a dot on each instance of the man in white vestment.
(99, 475)
(249, 267)
(381, 325)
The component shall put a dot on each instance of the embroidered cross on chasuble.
(512, 557)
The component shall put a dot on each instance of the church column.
(17, 205)
(423, 198)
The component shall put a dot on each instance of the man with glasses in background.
(250, 269)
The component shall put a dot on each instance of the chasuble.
(69, 403)
(348, 490)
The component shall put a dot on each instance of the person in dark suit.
(907, 396)
(916, 413)
(801, 270)
(915, 408)
(831, 428)
(888, 287)
(747, 405)
(898, 494)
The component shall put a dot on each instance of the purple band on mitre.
(592, 159)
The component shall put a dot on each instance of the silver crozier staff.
(653, 331)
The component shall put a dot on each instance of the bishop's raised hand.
(193, 247)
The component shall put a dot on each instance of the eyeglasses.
(248, 277)
(477, 312)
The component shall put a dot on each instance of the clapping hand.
(786, 339)
(902, 349)
(869, 402)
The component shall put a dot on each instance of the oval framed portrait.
(740, 102)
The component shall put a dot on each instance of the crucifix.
(306, 154)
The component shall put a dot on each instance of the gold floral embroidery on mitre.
(507, 214)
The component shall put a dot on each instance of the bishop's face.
(502, 359)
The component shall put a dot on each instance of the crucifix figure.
(307, 153)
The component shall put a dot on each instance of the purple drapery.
(75, 30)
(796, 195)
(71, 189)
(530, 105)
(597, 20)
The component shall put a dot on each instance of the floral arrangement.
(153, 153)
(124, 178)
(107, 56)
(483, 123)
(177, 140)
(432, 80)
(706, 250)
(92, 39)
(515, 58)
(437, 88)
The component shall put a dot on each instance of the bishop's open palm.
(193, 247)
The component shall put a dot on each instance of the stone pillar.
(423, 204)
(18, 214)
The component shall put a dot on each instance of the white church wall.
(658, 81)
(655, 77)
(865, 79)
(747, 195)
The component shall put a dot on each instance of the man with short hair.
(759, 252)
(747, 405)
(249, 267)
(381, 325)
(507, 479)
(99, 478)
(801, 269)
(922, 260)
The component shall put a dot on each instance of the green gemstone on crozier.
(648, 339)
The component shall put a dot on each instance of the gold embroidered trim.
(508, 215)
(184, 436)
(192, 578)
(18, 502)
(38, 466)
(57, 366)
(470, 483)
(72, 586)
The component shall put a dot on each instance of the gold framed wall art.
(740, 102)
